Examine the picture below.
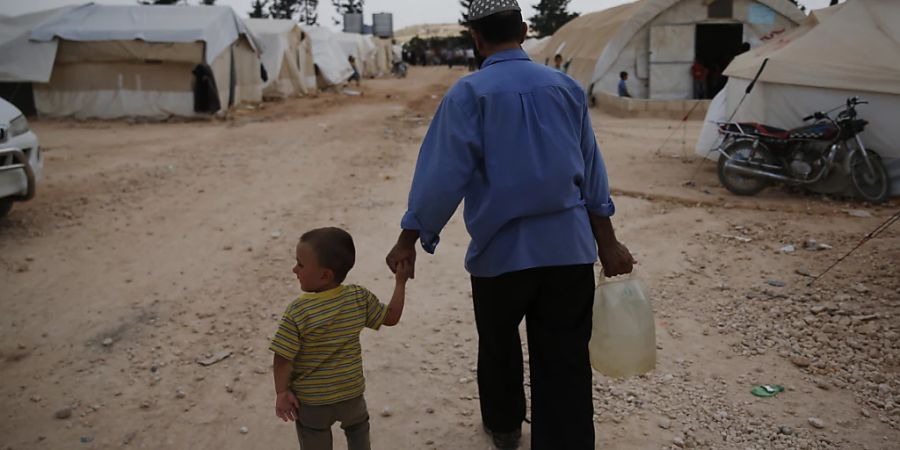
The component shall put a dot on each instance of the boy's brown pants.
(314, 424)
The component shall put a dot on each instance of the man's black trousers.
(556, 303)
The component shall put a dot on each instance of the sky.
(406, 12)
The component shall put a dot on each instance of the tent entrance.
(716, 45)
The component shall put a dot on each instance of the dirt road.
(151, 246)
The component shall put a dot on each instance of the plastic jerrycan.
(623, 339)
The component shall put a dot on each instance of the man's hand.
(287, 406)
(404, 250)
(616, 259)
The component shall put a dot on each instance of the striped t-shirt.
(319, 332)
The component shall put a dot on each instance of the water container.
(383, 25)
(623, 339)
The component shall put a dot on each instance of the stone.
(786, 430)
(63, 413)
(801, 361)
(665, 423)
(107, 342)
(775, 283)
(788, 248)
(816, 422)
(244, 430)
(679, 442)
(387, 412)
(179, 393)
(429, 410)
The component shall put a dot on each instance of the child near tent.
(623, 87)
(355, 75)
(320, 381)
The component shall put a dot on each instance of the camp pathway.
(152, 246)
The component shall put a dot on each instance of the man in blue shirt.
(515, 141)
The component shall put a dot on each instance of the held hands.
(404, 271)
(403, 252)
(287, 406)
(616, 259)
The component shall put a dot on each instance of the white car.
(21, 164)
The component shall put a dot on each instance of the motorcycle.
(827, 156)
(399, 69)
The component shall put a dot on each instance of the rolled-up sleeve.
(447, 160)
(595, 189)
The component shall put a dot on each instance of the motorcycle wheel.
(872, 187)
(741, 184)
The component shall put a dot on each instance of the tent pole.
(749, 88)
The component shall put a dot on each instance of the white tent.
(384, 56)
(287, 56)
(331, 61)
(657, 41)
(24, 60)
(852, 49)
(534, 46)
(362, 49)
(128, 61)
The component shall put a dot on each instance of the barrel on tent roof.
(353, 23)
(383, 25)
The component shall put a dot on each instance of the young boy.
(318, 358)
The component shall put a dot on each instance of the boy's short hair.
(334, 249)
(499, 28)
(622, 75)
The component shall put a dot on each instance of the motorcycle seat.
(758, 129)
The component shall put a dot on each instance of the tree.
(466, 5)
(309, 12)
(348, 6)
(796, 2)
(208, 2)
(259, 9)
(551, 15)
(833, 2)
(284, 9)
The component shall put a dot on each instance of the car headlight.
(18, 126)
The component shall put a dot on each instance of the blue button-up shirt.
(515, 141)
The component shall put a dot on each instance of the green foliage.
(259, 9)
(348, 6)
(551, 15)
(465, 4)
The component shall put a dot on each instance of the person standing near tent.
(699, 72)
(470, 59)
(558, 62)
(623, 86)
(514, 140)
(355, 77)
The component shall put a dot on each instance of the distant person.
(318, 358)
(623, 86)
(470, 59)
(558, 62)
(355, 77)
(699, 73)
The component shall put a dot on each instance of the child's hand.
(286, 406)
(404, 271)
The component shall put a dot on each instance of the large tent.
(287, 56)
(23, 61)
(657, 41)
(142, 61)
(534, 46)
(332, 67)
(384, 56)
(362, 49)
(852, 49)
